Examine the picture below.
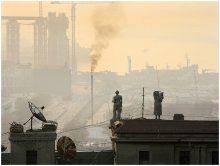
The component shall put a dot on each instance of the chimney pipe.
(92, 97)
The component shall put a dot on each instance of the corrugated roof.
(147, 126)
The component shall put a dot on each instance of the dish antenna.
(66, 148)
(36, 113)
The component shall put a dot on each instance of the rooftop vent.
(178, 117)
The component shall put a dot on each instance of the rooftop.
(152, 126)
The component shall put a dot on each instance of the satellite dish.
(36, 113)
(66, 148)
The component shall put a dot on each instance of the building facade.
(165, 142)
(34, 147)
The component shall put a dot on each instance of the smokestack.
(105, 30)
(92, 96)
(129, 64)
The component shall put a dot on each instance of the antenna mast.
(143, 105)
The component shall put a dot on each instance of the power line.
(78, 128)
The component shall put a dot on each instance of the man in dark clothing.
(117, 108)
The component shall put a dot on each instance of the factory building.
(58, 43)
(49, 72)
(51, 45)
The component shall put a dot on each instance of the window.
(144, 157)
(31, 157)
(215, 157)
(184, 157)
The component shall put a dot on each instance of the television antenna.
(36, 112)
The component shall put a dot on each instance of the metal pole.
(143, 105)
(92, 97)
(31, 122)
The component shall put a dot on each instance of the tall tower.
(58, 43)
(129, 64)
(187, 61)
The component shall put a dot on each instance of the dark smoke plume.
(106, 21)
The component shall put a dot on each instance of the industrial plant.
(55, 113)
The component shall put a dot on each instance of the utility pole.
(143, 105)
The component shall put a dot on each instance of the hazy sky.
(154, 33)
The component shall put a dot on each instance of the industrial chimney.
(129, 64)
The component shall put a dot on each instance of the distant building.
(24, 79)
(148, 141)
(58, 54)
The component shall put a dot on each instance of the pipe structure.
(92, 97)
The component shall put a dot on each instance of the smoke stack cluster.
(106, 21)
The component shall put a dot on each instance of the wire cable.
(82, 127)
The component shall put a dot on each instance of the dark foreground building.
(135, 141)
(149, 141)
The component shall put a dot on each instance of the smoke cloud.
(107, 21)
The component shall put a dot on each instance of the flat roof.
(152, 126)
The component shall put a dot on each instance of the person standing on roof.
(117, 108)
(158, 98)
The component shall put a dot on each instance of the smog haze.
(156, 33)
